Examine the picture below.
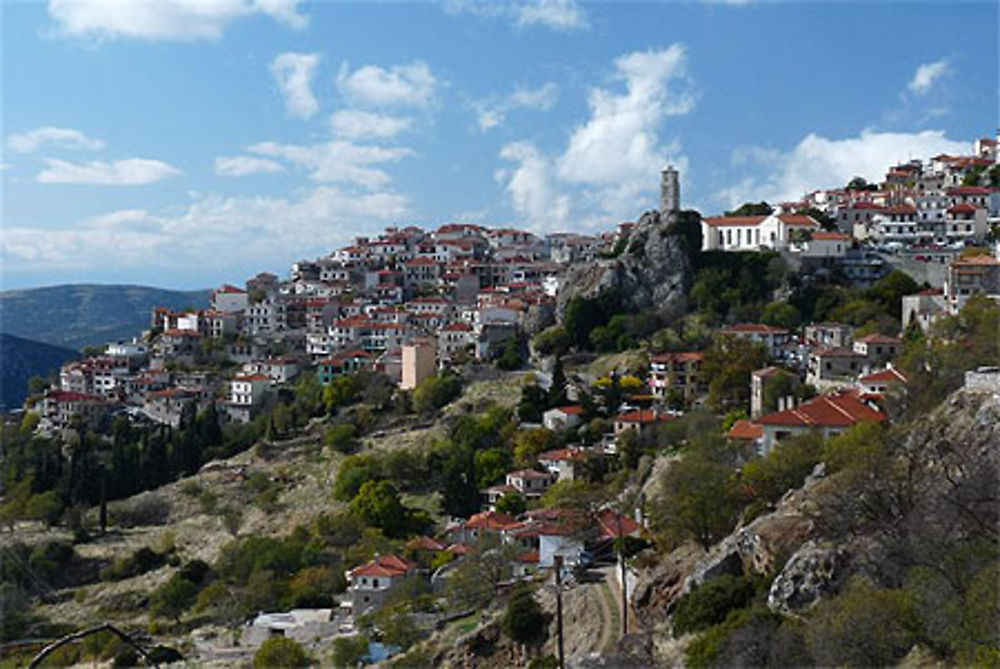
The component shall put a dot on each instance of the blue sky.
(183, 143)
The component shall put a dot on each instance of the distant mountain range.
(77, 315)
(20, 359)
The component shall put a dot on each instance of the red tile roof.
(69, 396)
(798, 220)
(425, 543)
(457, 327)
(732, 221)
(825, 236)
(890, 375)
(642, 416)
(385, 565)
(963, 208)
(489, 520)
(968, 190)
(562, 455)
(746, 430)
(977, 260)
(571, 410)
(614, 524)
(842, 409)
(878, 338)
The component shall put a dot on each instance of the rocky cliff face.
(830, 528)
(653, 272)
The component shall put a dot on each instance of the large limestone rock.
(812, 572)
(653, 272)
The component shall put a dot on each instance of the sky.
(186, 143)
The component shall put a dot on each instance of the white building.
(753, 233)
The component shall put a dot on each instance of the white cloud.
(819, 162)
(130, 172)
(412, 85)
(293, 73)
(161, 20)
(204, 233)
(927, 74)
(562, 15)
(356, 124)
(241, 166)
(532, 192)
(491, 113)
(337, 161)
(61, 138)
(620, 141)
(558, 15)
(610, 168)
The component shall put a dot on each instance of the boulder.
(813, 571)
(652, 273)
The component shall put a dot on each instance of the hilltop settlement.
(413, 446)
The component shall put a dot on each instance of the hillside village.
(389, 331)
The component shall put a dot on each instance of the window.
(374, 582)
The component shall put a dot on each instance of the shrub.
(280, 652)
(524, 621)
(145, 509)
(349, 650)
(341, 437)
(435, 391)
(172, 598)
(141, 561)
(711, 602)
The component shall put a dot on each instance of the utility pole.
(621, 561)
(558, 562)
(624, 583)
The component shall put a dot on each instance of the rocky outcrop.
(812, 572)
(760, 546)
(652, 272)
(538, 317)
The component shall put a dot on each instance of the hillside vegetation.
(22, 359)
(79, 315)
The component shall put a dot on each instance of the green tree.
(491, 465)
(341, 437)
(533, 402)
(781, 314)
(348, 651)
(45, 507)
(552, 341)
(341, 391)
(377, 504)
(530, 442)
(434, 392)
(282, 652)
(784, 468)
(864, 626)
(709, 603)
(697, 502)
(727, 364)
(524, 621)
(512, 503)
(173, 598)
(511, 357)
(751, 209)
